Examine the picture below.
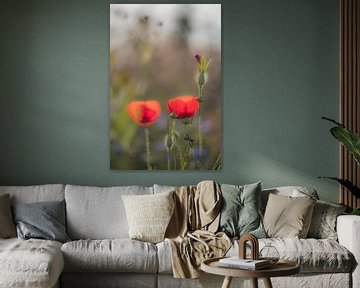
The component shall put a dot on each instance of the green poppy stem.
(201, 80)
(169, 140)
(186, 149)
(147, 143)
(168, 158)
(200, 123)
(175, 166)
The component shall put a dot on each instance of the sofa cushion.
(30, 263)
(313, 255)
(43, 220)
(287, 216)
(163, 188)
(36, 193)
(7, 226)
(149, 215)
(117, 255)
(98, 213)
(164, 257)
(240, 210)
(323, 222)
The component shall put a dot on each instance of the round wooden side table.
(281, 268)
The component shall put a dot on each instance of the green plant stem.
(217, 163)
(168, 146)
(168, 158)
(147, 143)
(186, 151)
(175, 166)
(201, 123)
(170, 140)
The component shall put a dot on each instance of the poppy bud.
(198, 57)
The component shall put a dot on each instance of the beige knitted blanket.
(191, 231)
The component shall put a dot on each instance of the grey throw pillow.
(323, 222)
(44, 220)
(240, 210)
(7, 227)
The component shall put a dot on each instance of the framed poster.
(165, 86)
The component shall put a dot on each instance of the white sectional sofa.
(101, 254)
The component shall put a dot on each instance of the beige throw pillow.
(288, 217)
(148, 215)
(7, 226)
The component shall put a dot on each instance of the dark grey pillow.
(240, 213)
(44, 220)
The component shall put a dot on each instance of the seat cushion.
(313, 255)
(117, 255)
(98, 213)
(164, 257)
(30, 263)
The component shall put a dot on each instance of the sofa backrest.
(293, 191)
(36, 193)
(163, 188)
(98, 213)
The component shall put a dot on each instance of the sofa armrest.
(348, 230)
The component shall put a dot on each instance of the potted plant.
(351, 142)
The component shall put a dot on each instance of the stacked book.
(248, 264)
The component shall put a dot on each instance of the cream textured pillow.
(149, 215)
(7, 226)
(288, 217)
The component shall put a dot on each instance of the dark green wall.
(280, 75)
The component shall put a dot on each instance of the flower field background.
(165, 86)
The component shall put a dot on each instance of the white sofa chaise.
(101, 254)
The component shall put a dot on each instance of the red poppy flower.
(183, 106)
(144, 113)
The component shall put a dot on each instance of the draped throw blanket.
(191, 231)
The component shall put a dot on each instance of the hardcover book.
(236, 262)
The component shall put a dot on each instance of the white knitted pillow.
(149, 215)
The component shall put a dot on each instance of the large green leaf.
(347, 184)
(348, 138)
